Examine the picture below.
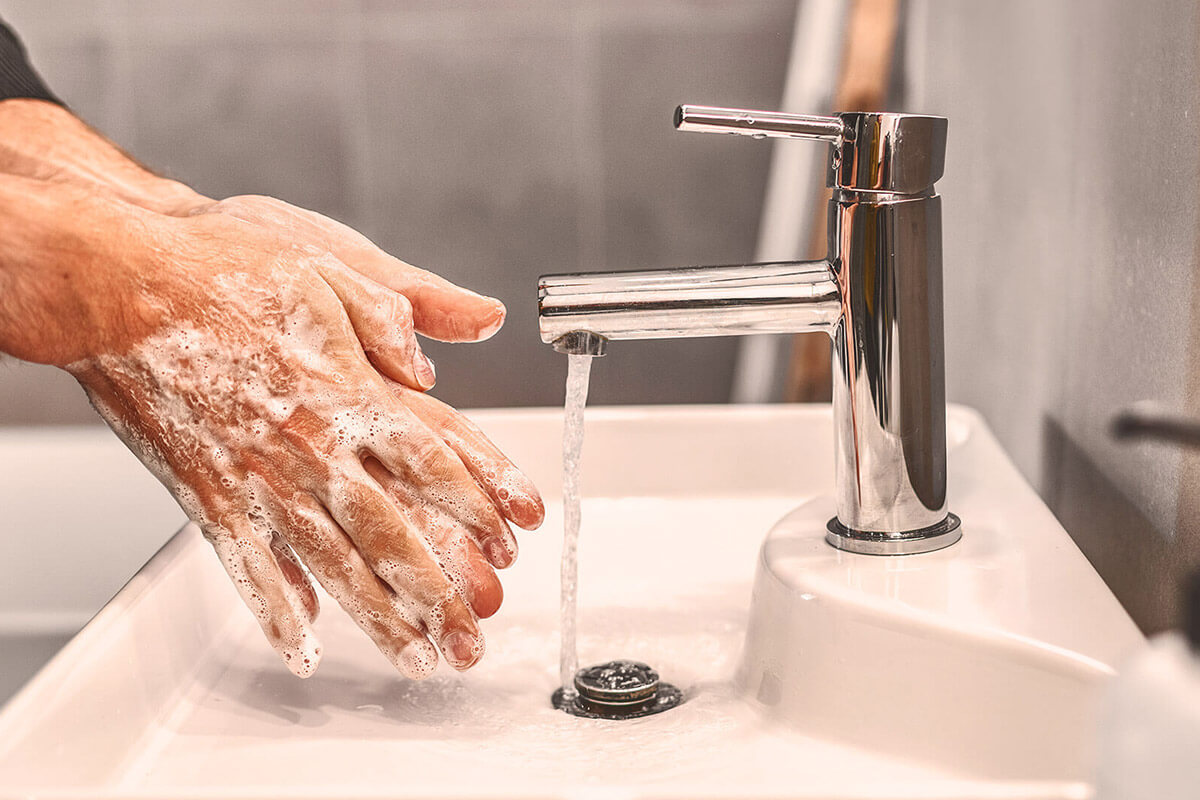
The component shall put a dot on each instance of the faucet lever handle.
(758, 124)
(872, 151)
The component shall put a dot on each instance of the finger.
(281, 599)
(397, 553)
(429, 476)
(512, 492)
(295, 575)
(455, 553)
(334, 561)
(340, 568)
(268, 593)
(383, 321)
(441, 309)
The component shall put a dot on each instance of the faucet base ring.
(903, 543)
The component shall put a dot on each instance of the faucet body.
(878, 295)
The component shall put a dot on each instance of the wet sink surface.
(492, 731)
(171, 692)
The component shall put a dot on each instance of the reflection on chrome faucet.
(878, 295)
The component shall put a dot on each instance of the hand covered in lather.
(262, 361)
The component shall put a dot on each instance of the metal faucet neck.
(878, 295)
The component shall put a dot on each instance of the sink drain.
(617, 690)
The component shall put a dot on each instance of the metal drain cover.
(617, 690)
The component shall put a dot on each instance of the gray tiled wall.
(489, 141)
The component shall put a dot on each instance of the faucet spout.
(781, 297)
(581, 343)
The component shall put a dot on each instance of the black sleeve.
(17, 78)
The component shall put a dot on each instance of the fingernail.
(423, 367)
(499, 312)
(462, 649)
(497, 553)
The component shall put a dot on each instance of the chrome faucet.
(878, 294)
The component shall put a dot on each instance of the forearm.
(71, 206)
(41, 140)
(65, 254)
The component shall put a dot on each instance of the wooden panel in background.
(862, 86)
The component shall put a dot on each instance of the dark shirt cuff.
(17, 78)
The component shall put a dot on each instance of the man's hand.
(237, 348)
(386, 299)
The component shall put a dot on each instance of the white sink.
(970, 672)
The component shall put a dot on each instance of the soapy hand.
(386, 299)
(226, 347)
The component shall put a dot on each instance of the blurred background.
(490, 141)
(494, 140)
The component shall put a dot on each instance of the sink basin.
(807, 671)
